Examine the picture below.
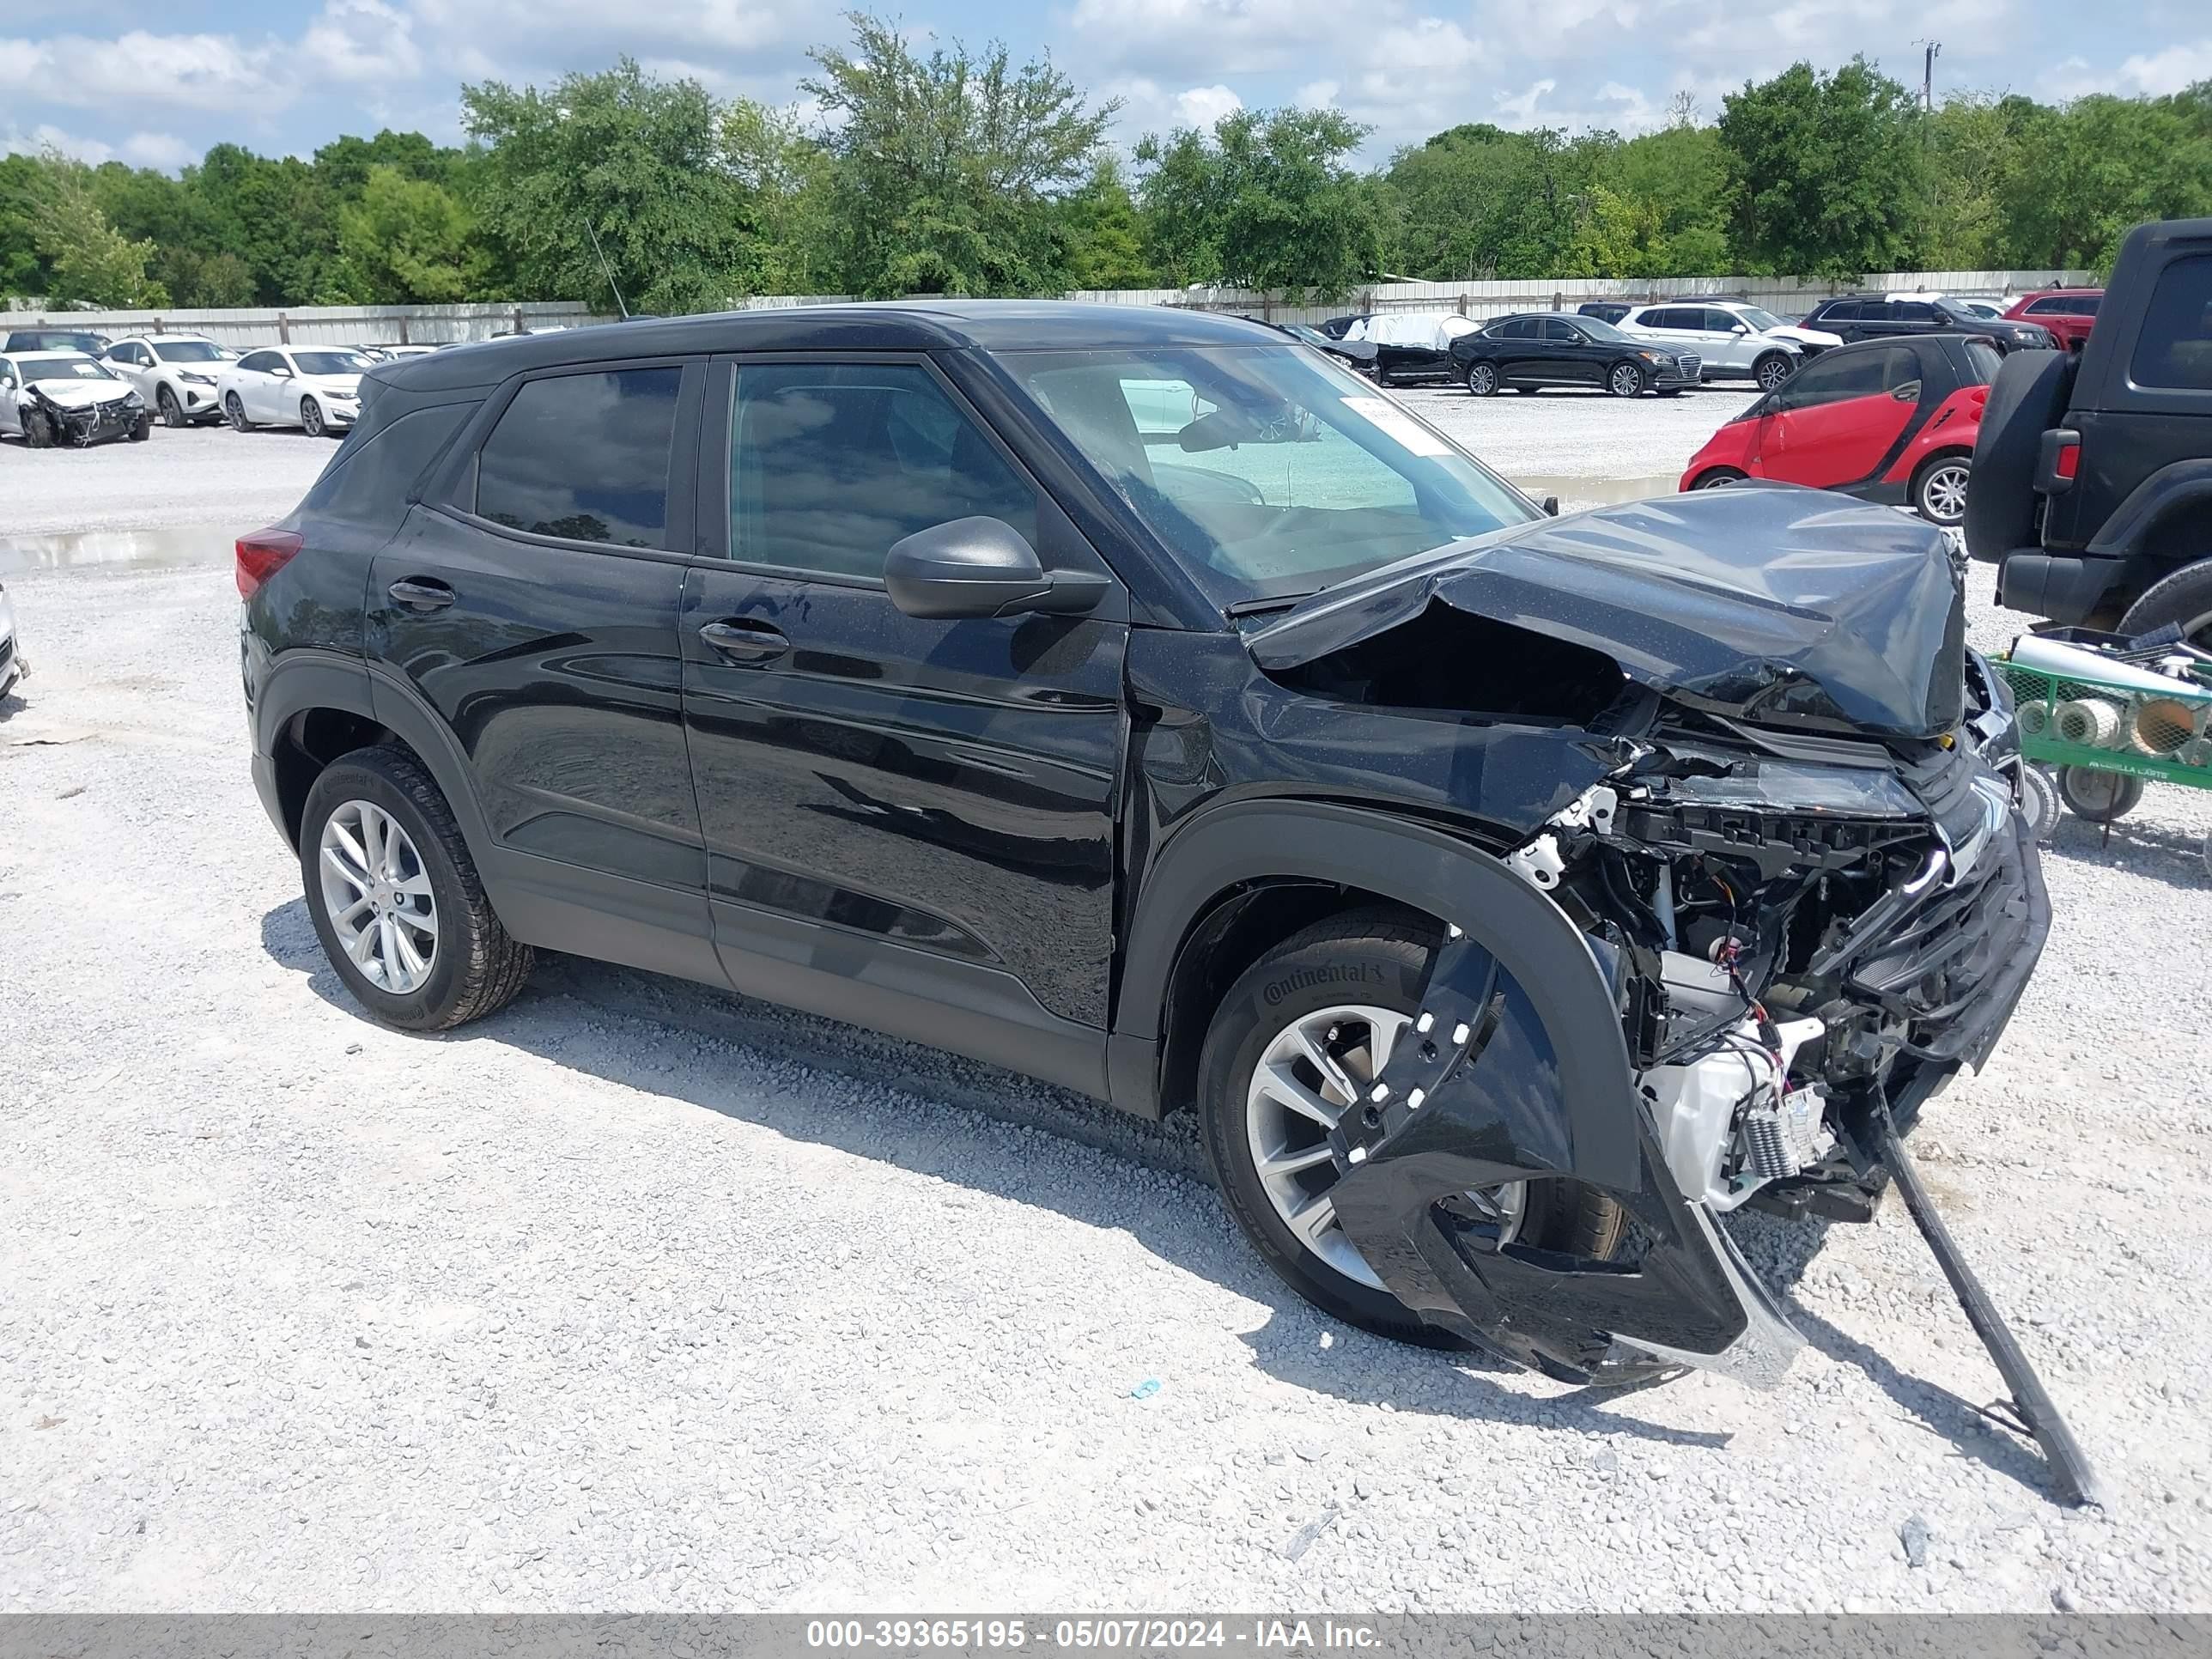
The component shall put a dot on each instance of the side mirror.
(7, 383)
(1551, 506)
(981, 566)
(281, 373)
(1739, 328)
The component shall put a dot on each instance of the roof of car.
(2054, 293)
(884, 326)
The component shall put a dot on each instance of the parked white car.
(12, 665)
(1731, 341)
(49, 398)
(315, 387)
(175, 374)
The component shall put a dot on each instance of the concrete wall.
(317, 324)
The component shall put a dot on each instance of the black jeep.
(1141, 701)
(2092, 478)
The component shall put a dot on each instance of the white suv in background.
(316, 387)
(175, 374)
(1731, 341)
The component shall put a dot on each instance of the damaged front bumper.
(1508, 1083)
(94, 423)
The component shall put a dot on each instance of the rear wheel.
(1718, 478)
(1772, 369)
(2099, 796)
(1289, 1050)
(1625, 380)
(396, 899)
(1939, 488)
(2185, 597)
(1482, 380)
(234, 412)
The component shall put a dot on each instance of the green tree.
(1105, 237)
(1682, 173)
(1263, 202)
(1476, 203)
(88, 259)
(634, 160)
(277, 216)
(408, 240)
(947, 171)
(1828, 173)
(786, 175)
(23, 269)
(2090, 169)
(1614, 235)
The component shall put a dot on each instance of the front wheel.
(234, 412)
(1939, 488)
(1625, 380)
(1291, 1046)
(1482, 380)
(396, 899)
(142, 428)
(1719, 478)
(311, 417)
(1772, 370)
(38, 431)
(173, 412)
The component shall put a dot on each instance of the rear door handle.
(421, 594)
(744, 640)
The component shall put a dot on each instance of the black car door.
(1570, 356)
(529, 605)
(910, 823)
(1837, 317)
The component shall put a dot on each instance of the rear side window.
(371, 474)
(1913, 311)
(2048, 307)
(2083, 305)
(2175, 346)
(1985, 359)
(584, 456)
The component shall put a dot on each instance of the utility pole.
(1927, 75)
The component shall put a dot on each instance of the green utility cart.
(2095, 732)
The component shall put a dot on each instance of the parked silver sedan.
(314, 388)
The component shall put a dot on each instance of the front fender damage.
(1485, 1090)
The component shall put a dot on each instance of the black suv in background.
(1141, 701)
(1883, 316)
(2092, 488)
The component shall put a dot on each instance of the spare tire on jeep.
(2028, 398)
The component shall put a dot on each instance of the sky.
(155, 85)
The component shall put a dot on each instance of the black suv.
(1141, 701)
(1884, 316)
(2091, 486)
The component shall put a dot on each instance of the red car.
(2066, 311)
(1891, 420)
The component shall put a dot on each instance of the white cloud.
(363, 41)
(1202, 106)
(1518, 109)
(164, 150)
(189, 71)
(2169, 71)
(507, 28)
(1164, 38)
(13, 140)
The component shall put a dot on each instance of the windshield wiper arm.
(1255, 607)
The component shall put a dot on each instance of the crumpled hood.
(1762, 602)
(80, 394)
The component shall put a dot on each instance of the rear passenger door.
(907, 820)
(528, 605)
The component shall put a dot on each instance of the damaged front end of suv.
(1801, 897)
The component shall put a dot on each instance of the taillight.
(2067, 463)
(262, 555)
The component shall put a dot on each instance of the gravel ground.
(640, 1296)
(175, 482)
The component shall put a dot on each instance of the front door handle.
(744, 641)
(421, 594)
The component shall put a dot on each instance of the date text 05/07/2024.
(1131, 1634)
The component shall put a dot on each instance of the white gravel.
(641, 1297)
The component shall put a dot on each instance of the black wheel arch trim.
(2178, 485)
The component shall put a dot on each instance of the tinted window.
(1559, 333)
(1836, 311)
(1985, 359)
(259, 362)
(371, 474)
(1841, 375)
(584, 456)
(831, 463)
(2175, 346)
(1513, 328)
(2046, 307)
(1720, 322)
(1659, 317)
(187, 351)
(1915, 311)
(2083, 305)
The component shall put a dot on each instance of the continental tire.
(471, 966)
(2028, 398)
(1344, 973)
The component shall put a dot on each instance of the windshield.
(52, 341)
(1757, 318)
(1598, 328)
(64, 368)
(188, 351)
(330, 362)
(1957, 312)
(1270, 470)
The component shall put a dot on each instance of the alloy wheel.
(235, 411)
(1626, 382)
(311, 416)
(1482, 380)
(1309, 1073)
(377, 895)
(1772, 373)
(1943, 493)
(171, 415)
